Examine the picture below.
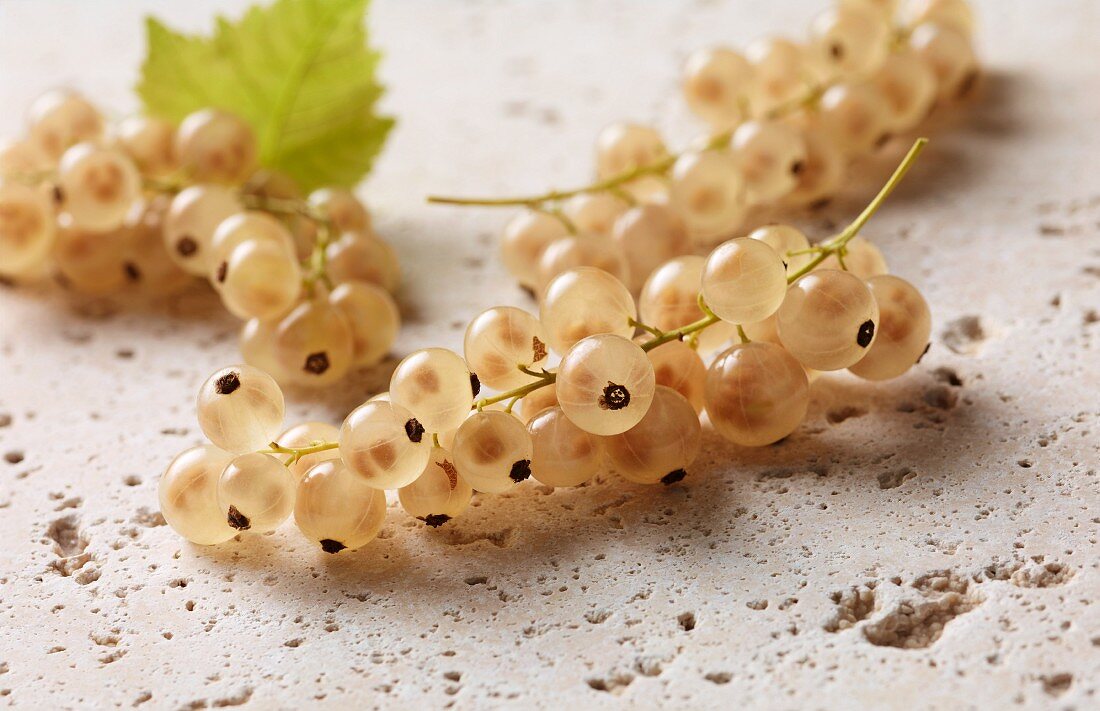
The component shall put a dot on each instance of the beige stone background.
(956, 507)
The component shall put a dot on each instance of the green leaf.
(299, 71)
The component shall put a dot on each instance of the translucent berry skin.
(708, 189)
(863, 259)
(756, 394)
(594, 213)
(535, 402)
(258, 280)
(362, 256)
(625, 146)
(90, 262)
(828, 320)
(562, 453)
(525, 239)
(314, 343)
(855, 115)
(19, 158)
(492, 451)
(188, 493)
(27, 228)
(744, 281)
(250, 226)
(435, 385)
(717, 84)
(670, 300)
(787, 241)
(60, 119)
(780, 70)
(950, 56)
(215, 146)
(584, 302)
(189, 226)
(371, 313)
(909, 87)
(439, 493)
(582, 250)
(240, 408)
(850, 40)
(499, 341)
(98, 185)
(150, 143)
(306, 434)
(384, 444)
(605, 384)
(676, 365)
(663, 444)
(336, 509)
(257, 346)
(770, 155)
(345, 210)
(650, 235)
(256, 492)
(905, 325)
(823, 169)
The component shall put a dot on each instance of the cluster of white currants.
(628, 391)
(151, 204)
(785, 120)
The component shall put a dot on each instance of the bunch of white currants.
(785, 120)
(628, 391)
(146, 203)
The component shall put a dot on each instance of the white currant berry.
(662, 445)
(584, 302)
(788, 242)
(905, 324)
(336, 509)
(150, 143)
(98, 186)
(594, 213)
(950, 56)
(384, 444)
(855, 116)
(361, 256)
(194, 215)
(562, 454)
(649, 236)
(621, 147)
(678, 366)
(250, 226)
(341, 206)
(372, 316)
(670, 300)
(744, 280)
(258, 279)
(435, 384)
(439, 494)
(256, 492)
(492, 451)
(605, 384)
(770, 155)
(955, 14)
(240, 408)
(862, 258)
(850, 40)
(909, 87)
(756, 394)
(216, 146)
(27, 228)
(314, 341)
(307, 434)
(583, 250)
(828, 319)
(708, 189)
(525, 239)
(500, 341)
(60, 119)
(188, 493)
(823, 169)
(717, 84)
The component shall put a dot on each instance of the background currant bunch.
(786, 120)
(152, 205)
(584, 385)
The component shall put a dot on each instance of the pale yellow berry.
(336, 509)
(605, 384)
(384, 444)
(188, 493)
(584, 302)
(308, 434)
(492, 451)
(717, 84)
(240, 408)
(649, 236)
(756, 394)
(828, 320)
(562, 453)
(256, 492)
(744, 280)
(502, 340)
(905, 324)
(662, 445)
(439, 494)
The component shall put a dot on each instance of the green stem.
(844, 237)
(297, 453)
(742, 335)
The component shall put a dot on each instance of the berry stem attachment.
(298, 453)
(742, 335)
(838, 243)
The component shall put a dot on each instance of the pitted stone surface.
(925, 543)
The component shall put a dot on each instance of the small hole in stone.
(687, 621)
(13, 457)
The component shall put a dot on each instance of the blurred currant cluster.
(786, 120)
(151, 205)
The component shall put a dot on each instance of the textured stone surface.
(929, 542)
